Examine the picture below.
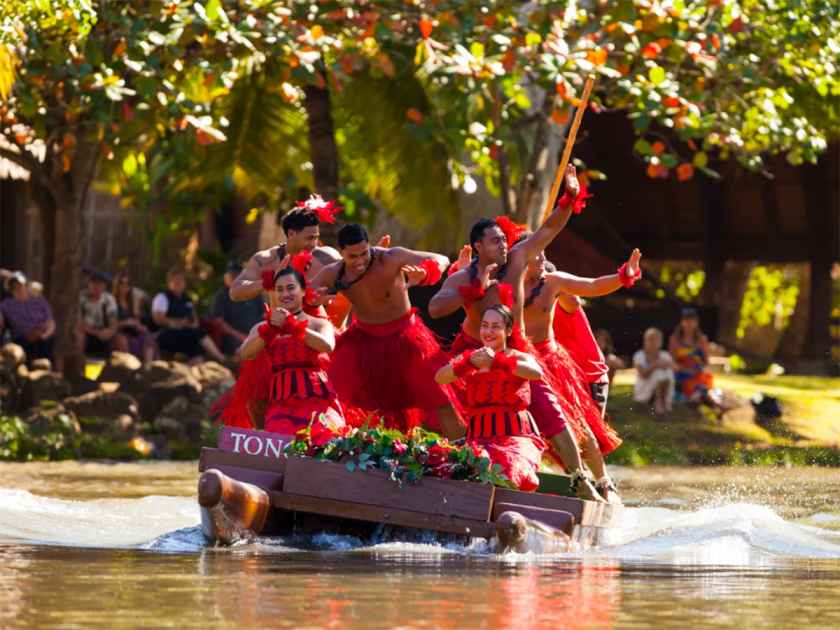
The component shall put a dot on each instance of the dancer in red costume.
(495, 379)
(296, 346)
(477, 286)
(542, 290)
(385, 362)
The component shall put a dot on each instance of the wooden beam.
(558, 519)
(586, 513)
(214, 458)
(327, 480)
(381, 514)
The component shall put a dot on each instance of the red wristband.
(505, 363)
(578, 203)
(462, 366)
(268, 280)
(268, 332)
(295, 327)
(433, 272)
(627, 279)
(471, 293)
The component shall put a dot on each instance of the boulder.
(11, 356)
(166, 371)
(100, 404)
(212, 373)
(41, 385)
(42, 364)
(123, 368)
(81, 386)
(52, 418)
(157, 395)
(181, 418)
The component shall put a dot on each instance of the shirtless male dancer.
(477, 287)
(301, 227)
(385, 362)
(543, 290)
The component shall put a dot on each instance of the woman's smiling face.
(494, 330)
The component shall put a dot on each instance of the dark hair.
(298, 219)
(479, 228)
(289, 271)
(352, 234)
(502, 310)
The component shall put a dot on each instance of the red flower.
(438, 454)
(399, 447)
(325, 210)
(444, 470)
(320, 433)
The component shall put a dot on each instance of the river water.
(98, 545)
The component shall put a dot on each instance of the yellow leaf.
(253, 215)
(8, 61)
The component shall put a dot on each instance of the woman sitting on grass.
(690, 349)
(654, 373)
(297, 347)
(497, 398)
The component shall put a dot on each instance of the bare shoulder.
(265, 257)
(326, 254)
(459, 278)
(568, 302)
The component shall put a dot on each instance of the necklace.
(535, 291)
(342, 285)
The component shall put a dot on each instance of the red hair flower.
(506, 294)
(325, 210)
(300, 262)
(511, 230)
(578, 203)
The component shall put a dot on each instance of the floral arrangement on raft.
(406, 458)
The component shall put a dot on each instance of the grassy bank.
(808, 433)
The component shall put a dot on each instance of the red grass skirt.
(519, 456)
(566, 379)
(389, 369)
(237, 405)
(293, 414)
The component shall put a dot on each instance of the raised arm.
(248, 284)
(449, 298)
(326, 277)
(595, 287)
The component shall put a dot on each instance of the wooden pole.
(567, 150)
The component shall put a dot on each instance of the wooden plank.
(381, 514)
(329, 480)
(585, 512)
(558, 519)
(252, 442)
(214, 458)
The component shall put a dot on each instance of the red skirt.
(388, 370)
(519, 456)
(289, 416)
(566, 379)
(236, 406)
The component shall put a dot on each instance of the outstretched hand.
(633, 262)
(464, 257)
(414, 275)
(572, 183)
(385, 241)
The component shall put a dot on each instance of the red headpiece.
(325, 210)
(512, 231)
(300, 262)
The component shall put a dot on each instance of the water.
(92, 545)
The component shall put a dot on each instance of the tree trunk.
(323, 151)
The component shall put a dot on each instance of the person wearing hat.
(98, 321)
(29, 318)
(234, 319)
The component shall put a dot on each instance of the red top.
(298, 370)
(496, 389)
(574, 332)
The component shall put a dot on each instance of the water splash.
(743, 534)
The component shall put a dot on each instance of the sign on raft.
(248, 442)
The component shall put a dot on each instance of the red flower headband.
(511, 230)
(325, 210)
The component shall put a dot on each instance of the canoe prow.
(231, 510)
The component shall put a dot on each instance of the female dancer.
(495, 378)
(296, 346)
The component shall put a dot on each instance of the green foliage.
(47, 436)
(769, 299)
(685, 280)
(406, 458)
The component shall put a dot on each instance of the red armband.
(453, 268)
(628, 279)
(505, 363)
(295, 327)
(268, 332)
(268, 280)
(471, 293)
(432, 270)
(578, 203)
(462, 366)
